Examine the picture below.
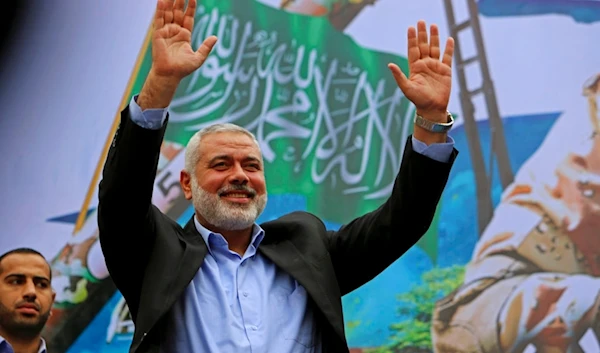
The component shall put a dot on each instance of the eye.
(253, 166)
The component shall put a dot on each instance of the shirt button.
(254, 328)
(245, 294)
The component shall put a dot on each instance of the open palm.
(429, 81)
(172, 53)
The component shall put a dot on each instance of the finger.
(413, 46)
(159, 16)
(422, 39)
(448, 52)
(206, 48)
(188, 20)
(434, 42)
(178, 12)
(399, 76)
(168, 11)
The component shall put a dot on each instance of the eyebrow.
(21, 275)
(229, 158)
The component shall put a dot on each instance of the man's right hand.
(172, 55)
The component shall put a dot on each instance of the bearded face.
(228, 186)
(26, 296)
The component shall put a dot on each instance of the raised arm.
(366, 246)
(126, 217)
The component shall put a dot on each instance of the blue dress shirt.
(244, 303)
(240, 304)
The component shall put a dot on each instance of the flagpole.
(124, 100)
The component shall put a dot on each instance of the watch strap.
(433, 126)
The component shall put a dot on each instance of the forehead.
(27, 264)
(231, 143)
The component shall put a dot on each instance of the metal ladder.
(498, 149)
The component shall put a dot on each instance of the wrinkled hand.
(172, 53)
(429, 82)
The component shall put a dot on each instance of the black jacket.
(152, 259)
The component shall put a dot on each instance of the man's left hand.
(429, 82)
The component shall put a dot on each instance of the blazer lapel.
(285, 255)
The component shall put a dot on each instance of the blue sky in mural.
(584, 11)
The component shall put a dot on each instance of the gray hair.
(192, 150)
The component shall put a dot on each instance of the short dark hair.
(26, 251)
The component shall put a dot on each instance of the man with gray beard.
(26, 298)
(233, 206)
(223, 283)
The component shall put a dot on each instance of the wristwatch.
(434, 127)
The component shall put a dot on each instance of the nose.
(238, 176)
(29, 292)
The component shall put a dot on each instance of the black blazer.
(152, 259)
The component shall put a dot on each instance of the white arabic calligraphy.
(334, 120)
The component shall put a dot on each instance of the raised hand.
(172, 53)
(173, 57)
(429, 81)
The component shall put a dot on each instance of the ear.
(185, 179)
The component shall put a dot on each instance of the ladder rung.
(468, 61)
(462, 25)
(476, 91)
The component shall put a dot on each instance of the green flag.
(329, 117)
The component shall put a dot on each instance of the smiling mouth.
(237, 195)
(237, 198)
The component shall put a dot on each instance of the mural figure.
(523, 286)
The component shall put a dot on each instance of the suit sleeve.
(363, 248)
(126, 217)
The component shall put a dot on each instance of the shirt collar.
(215, 238)
(41, 350)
